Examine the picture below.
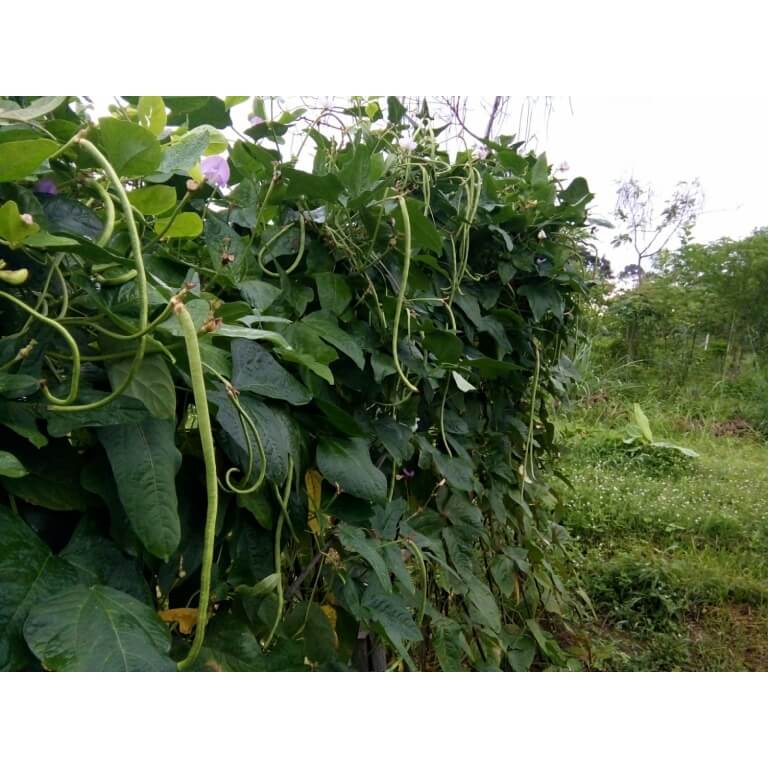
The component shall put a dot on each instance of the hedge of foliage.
(256, 417)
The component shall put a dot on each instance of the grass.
(671, 554)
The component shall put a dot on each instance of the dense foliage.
(296, 414)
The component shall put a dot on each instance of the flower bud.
(27, 218)
(192, 185)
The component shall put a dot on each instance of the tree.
(647, 232)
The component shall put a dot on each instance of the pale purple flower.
(407, 144)
(47, 187)
(216, 170)
(480, 153)
(255, 120)
(408, 472)
(27, 219)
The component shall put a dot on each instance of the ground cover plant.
(671, 555)
(260, 414)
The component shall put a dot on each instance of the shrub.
(272, 408)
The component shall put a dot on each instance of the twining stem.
(401, 293)
(141, 280)
(109, 210)
(283, 501)
(299, 255)
(74, 383)
(209, 457)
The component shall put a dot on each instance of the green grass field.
(671, 554)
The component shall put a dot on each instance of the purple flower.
(47, 187)
(408, 472)
(216, 170)
(256, 120)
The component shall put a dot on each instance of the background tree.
(645, 230)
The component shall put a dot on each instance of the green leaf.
(29, 573)
(424, 234)
(185, 225)
(521, 652)
(484, 603)
(151, 114)
(255, 370)
(395, 437)
(327, 328)
(19, 159)
(447, 347)
(307, 621)
(390, 612)
(99, 561)
(153, 199)
(230, 646)
(258, 294)
(132, 150)
(13, 385)
(457, 471)
(333, 291)
(354, 540)
(395, 110)
(542, 298)
(10, 466)
(13, 229)
(37, 108)
(71, 217)
(184, 152)
(312, 186)
(577, 192)
(348, 463)
(449, 643)
(273, 430)
(152, 384)
(121, 410)
(144, 461)
(98, 629)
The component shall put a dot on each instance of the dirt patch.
(733, 428)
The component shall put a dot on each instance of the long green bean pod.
(209, 456)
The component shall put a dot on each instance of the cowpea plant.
(261, 414)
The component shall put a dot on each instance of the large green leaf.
(354, 540)
(37, 108)
(144, 461)
(153, 200)
(273, 432)
(98, 560)
(98, 629)
(184, 226)
(29, 573)
(390, 612)
(121, 410)
(71, 217)
(334, 292)
(315, 187)
(19, 159)
(255, 370)
(10, 466)
(327, 328)
(132, 150)
(348, 464)
(230, 646)
(151, 385)
(13, 228)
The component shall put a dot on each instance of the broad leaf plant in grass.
(260, 413)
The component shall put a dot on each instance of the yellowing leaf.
(186, 618)
(313, 481)
(330, 614)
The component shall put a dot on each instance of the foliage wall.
(261, 414)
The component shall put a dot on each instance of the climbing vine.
(274, 411)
